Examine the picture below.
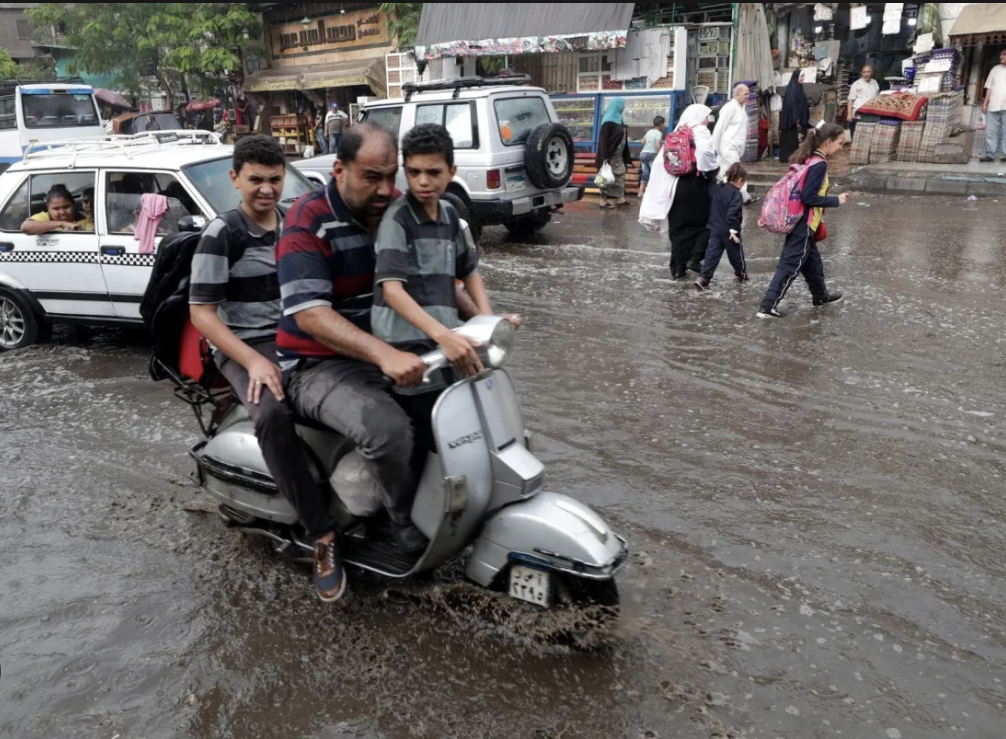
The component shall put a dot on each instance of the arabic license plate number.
(531, 586)
(515, 183)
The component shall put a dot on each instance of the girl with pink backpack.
(800, 254)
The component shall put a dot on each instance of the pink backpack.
(679, 152)
(783, 207)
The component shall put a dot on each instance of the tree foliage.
(403, 21)
(135, 40)
(8, 67)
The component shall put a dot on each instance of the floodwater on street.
(815, 507)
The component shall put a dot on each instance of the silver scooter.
(481, 495)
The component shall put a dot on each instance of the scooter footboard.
(551, 532)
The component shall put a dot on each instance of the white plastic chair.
(700, 93)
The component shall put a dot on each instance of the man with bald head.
(862, 91)
(334, 367)
(731, 134)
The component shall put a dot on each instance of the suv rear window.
(518, 117)
(389, 119)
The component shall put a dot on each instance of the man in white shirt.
(731, 133)
(335, 123)
(994, 109)
(862, 91)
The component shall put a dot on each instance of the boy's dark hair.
(88, 193)
(429, 138)
(354, 137)
(58, 191)
(659, 122)
(814, 138)
(258, 150)
(736, 173)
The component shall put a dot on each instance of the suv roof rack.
(125, 145)
(463, 83)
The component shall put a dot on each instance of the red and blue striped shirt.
(325, 259)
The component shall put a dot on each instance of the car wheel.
(461, 205)
(19, 326)
(527, 227)
(549, 156)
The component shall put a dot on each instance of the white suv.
(515, 160)
(99, 276)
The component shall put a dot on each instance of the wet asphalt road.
(815, 507)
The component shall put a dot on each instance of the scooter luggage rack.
(196, 395)
(125, 145)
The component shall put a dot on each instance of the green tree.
(136, 40)
(8, 67)
(403, 21)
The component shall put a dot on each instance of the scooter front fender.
(551, 532)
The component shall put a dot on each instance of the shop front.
(319, 54)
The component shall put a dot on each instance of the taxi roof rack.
(463, 83)
(123, 144)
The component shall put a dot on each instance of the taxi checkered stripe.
(130, 260)
(59, 257)
(50, 257)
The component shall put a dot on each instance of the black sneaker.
(771, 313)
(987, 160)
(752, 201)
(680, 275)
(409, 538)
(702, 284)
(329, 575)
(832, 298)
(696, 268)
(741, 279)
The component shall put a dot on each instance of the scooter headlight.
(501, 344)
(495, 335)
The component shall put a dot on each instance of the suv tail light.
(493, 180)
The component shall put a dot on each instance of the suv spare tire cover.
(549, 156)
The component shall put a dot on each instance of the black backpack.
(165, 305)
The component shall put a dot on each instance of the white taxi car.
(98, 276)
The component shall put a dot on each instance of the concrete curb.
(919, 183)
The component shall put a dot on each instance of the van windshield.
(59, 110)
(213, 181)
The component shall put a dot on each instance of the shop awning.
(369, 72)
(520, 28)
(275, 80)
(444, 22)
(981, 22)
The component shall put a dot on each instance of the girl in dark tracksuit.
(726, 212)
(800, 254)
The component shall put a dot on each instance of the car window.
(125, 193)
(8, 120)
(58, 110)
(458, 118)
(30, 199)
(213, 181)
(16, 211)
(387, 118)
(518, 117)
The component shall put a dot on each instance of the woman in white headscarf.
(688, 218)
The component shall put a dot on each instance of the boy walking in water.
(726, 212)
(422, 247)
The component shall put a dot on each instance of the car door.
(125, 263)
(60, 269)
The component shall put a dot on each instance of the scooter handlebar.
(435, 361)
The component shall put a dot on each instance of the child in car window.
(60, 214)
(423, 246)
(87, 205)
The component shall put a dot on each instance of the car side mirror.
(191, 224)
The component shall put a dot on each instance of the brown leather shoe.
(329, 576)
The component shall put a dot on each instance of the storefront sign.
(332, 33)
(603, 41)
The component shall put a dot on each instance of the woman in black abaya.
(794, 120)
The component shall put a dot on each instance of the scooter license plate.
(531, 585)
